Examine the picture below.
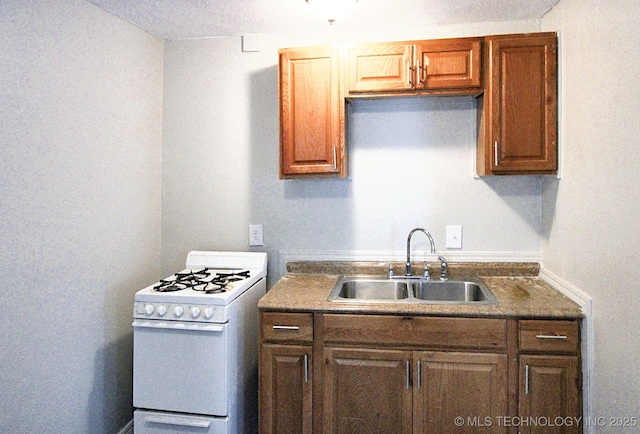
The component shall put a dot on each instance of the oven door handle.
(178, 421)
(179, 326)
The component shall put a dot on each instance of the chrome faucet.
(433, 249)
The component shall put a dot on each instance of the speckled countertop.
(517, 286)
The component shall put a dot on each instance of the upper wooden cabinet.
(311, 113)
(433, 66)
(518, 111)
(380, 67)
(449, 64)
(514, 77)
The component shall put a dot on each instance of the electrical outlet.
(454, 237)
(255, 235)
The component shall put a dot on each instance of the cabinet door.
(285, 389)
(311, 113)
(367, 391)
(449, 386)
(519, 131)
(380, 67)
(449, 63)
(549, 389)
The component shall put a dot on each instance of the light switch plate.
(454, 236)
(255, 235)
(251, 43)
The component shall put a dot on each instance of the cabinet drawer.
(445, 332)
(279, 326)
(554, 336)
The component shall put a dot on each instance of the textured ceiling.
(180, 19)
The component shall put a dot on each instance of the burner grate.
(203, 280)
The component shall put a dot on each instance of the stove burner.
(201, 280)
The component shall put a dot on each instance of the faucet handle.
(426, 271)
(390, 273)
(444, 266)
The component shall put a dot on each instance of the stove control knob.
(162, 309)
(208, 313)
(178, 311)
(195, 312)
(149, 309)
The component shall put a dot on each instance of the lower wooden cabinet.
(459, 392)
(286, 389)
(286, 373)
(394, 391)
(367, 391)
(550, 394)
(315, 376)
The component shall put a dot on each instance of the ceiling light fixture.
(331, 10)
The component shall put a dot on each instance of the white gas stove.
(196, 346)
(211, 281)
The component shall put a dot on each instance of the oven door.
(181, 367)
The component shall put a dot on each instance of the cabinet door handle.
(306, 368)
(408, 369)
(409, 71)
(551, 337)
(418, 373)
(418, 73)
(285, 327)
(526, 379)
(424, 73)
(335, 159)
(495, 153)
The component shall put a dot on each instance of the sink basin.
(452, 290)
(372, 289)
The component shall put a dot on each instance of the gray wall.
(80, 193)
(412, 163)
(591, 217)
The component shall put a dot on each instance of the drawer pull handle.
(551, 337)
(285, 327)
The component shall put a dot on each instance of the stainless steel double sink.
(373, 289)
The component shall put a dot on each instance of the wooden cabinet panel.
(311, 112)
(380, 67)
(449, 63)
(550, 389)
(286, 389)
(367, 391)
(549, 336)
(519, 107)
(451, 332)
(410, 67)
(283, 326)
(451, 385)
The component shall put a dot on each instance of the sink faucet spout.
(433, 246)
